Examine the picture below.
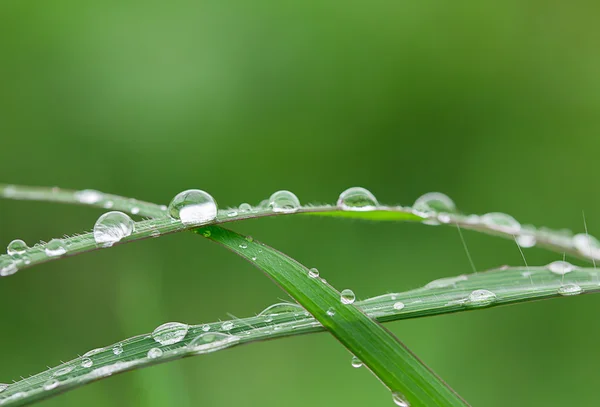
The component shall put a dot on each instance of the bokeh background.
(495, 104)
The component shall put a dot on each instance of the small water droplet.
(280, 308)
(87, 362)
(193, 207)
(112, 227)
(313, 273)
(357, 199)
(231, 214)
(587, 245)
(434, 202)
(347, 296)
(398, 305)
(108, 204)
(170, 333)
(331, 312)
(212, 341)
(155, 353)
(55, 247)
(17, 246)
(3, 386)
(51, 384)
(155, 233)
(480, 298)
(89, 196)
(502, 221)
(93, 352)
(356, 362)
(227, 325)
(243, 246)
(206, 327)
(135, 210)
(117, 349)
(399, 400)
(560, 267)
(284, 201)
(570, 289)
(63, 371)
(254, 258)
(526, 240)
(7, 266)
(245, 207)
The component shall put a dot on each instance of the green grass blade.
(449, 295)
(378, 349)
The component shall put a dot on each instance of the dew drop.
(526, 240)
(93, 352)
(86, 362)
(231, 214)
(227, 325)
(280, 308)
(480, 298)
(16, 247)
(170, 333)
(117, 349)
(347, 296)
(356, 362)
(3, 386)
(55, 247)
(398, 306)
(7, 266)
(63, 371)
(331, 312)
(51, 384)
(108, 204)
(399, 400)
(284, 202)
(245, 207)
(88, 196)
(560, 267)
(570, 289)
(205, 327)
(193, 207)
(243, 246)
(112, 227)
(313, 273)
(212, 341)
(501, 220)
(155, 353)
(587, 245)
(135, 210)
(434, 202)
(357, 199)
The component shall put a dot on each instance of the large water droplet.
(280, 308)
(356, 362)
(347, 296)
(357, 199)
(526, 240)
(560, 267)
(63, 371)
(16, 247)
(7, 266)
(51, 384)
(193, 207)
(284, 201)
(480, 298)
(313, 273)
(245, 207)
(570, 289)
(155, 353)
(212, 341)
(55, 247)
(170, 333)
(503, 221)
(399, 400)
(89, 196)
(587, 245)
(93, 352)
(112, 227)
(434, 202)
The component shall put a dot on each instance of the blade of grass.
(449, 295)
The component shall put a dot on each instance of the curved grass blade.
(581, 245)
(449, 295)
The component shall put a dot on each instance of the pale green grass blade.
(509, 285)
(391, 361)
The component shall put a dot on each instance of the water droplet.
(212, 341)
(170, 333)
(86, 362)
(331, 312)
(155, 233)
(135, 210)
(243, 246)
(347, 296)
(526, 240)
(434, 202)
(155, 353)
(245, 207)
(108, 204)
(227, 325)
(51, 384)
(254, 258)
(446, 282)
(356, 362)
(3, 386)
(399, 400)
(117, 349)
(280, 308)
(112, 227)
(13, 397)
(93, 352)
(357, 199)
(193, 207)
(55, 247)
(206, 327)
(89, 196)
(480, 298)
(63, 371)
(587, 245)
(17, 246)
(570, 289)
(502, 221)
(7, 266)
(398, 305)
(231, 214)
(560, 267)
(284, 201)
(313, 273)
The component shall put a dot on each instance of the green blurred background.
(495, 104)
